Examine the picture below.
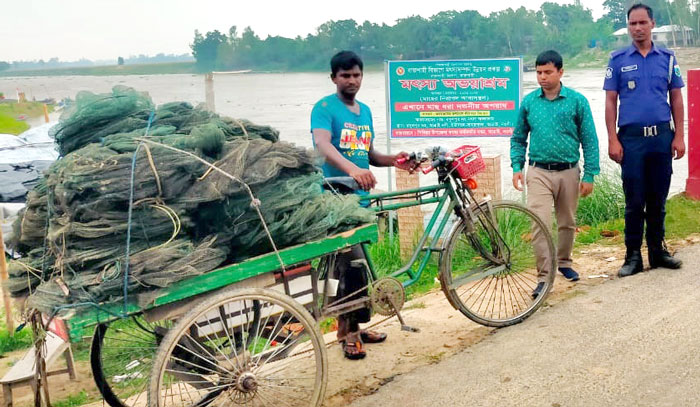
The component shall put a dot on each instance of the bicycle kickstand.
(404, 327)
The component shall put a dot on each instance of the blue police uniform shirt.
(351, 133)
(643, 84)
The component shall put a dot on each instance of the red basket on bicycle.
(467, 161)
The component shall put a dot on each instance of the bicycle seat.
(343, 185)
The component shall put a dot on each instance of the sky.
(106, 29)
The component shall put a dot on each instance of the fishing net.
(182, 217)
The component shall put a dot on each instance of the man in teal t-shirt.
(559, 122)
(343, 135)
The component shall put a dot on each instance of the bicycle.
(488, 263)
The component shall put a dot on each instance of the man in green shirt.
(559, 122)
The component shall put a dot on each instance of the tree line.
(568, 28)
(55, 63)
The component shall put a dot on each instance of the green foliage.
(10, 112)
(682, 216)
(386, 255)
(568, 28)
(8, 125)
(607, 202)
(206, 48)
(73, 400)
(616, 13)
(595, 234)
(9, 343)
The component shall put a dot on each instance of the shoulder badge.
(608, 73)
(677, 71)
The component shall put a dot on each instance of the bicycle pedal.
(409, 328)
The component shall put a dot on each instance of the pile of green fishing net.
(121, 174)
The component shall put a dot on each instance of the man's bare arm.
(379, 159)
(678, 113)
(614, 147)
(322, 140)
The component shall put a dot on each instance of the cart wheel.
(275, 356)
(121, 357)
(489, 269)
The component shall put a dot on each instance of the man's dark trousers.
(646, 178)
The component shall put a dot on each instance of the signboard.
(459, 98)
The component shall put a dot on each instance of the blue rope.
(131, 207)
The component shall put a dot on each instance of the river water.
(284, 101)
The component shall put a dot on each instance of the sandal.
(372, 336)
(353, 350)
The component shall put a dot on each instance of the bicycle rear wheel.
(489, 269)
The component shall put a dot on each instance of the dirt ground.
(443, 332)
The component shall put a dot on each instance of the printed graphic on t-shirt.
(354, 137)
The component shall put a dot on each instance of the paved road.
(628, 342)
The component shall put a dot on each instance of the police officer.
(644, 77)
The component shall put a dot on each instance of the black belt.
(644, 131)
(553, 166)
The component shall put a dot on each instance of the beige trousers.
(558, 189)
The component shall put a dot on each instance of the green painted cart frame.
(77, 322)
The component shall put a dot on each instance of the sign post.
(458, 98)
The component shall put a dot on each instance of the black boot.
(660, 257)
(633, 264)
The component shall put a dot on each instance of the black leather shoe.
(662, 258)
(538, 290)
(633, 264)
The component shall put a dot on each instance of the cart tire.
(207, 360)
(491, 279)
(125, 350)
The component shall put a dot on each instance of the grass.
(140, 69)
(682, 217)
(20, 340)
(606, 203)
(386, 256)
(73, 400)
(601, 215)
(10, 113)
(591, 58)
(9, 125)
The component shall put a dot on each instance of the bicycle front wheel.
(490, 268)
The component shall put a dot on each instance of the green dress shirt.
(557, 129)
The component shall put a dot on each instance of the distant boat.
(231, 72)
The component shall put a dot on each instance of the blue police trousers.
(646, 178)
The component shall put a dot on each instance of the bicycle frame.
(448, 201)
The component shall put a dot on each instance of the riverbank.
(591, 58)
(16, 118)
(140, 69)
